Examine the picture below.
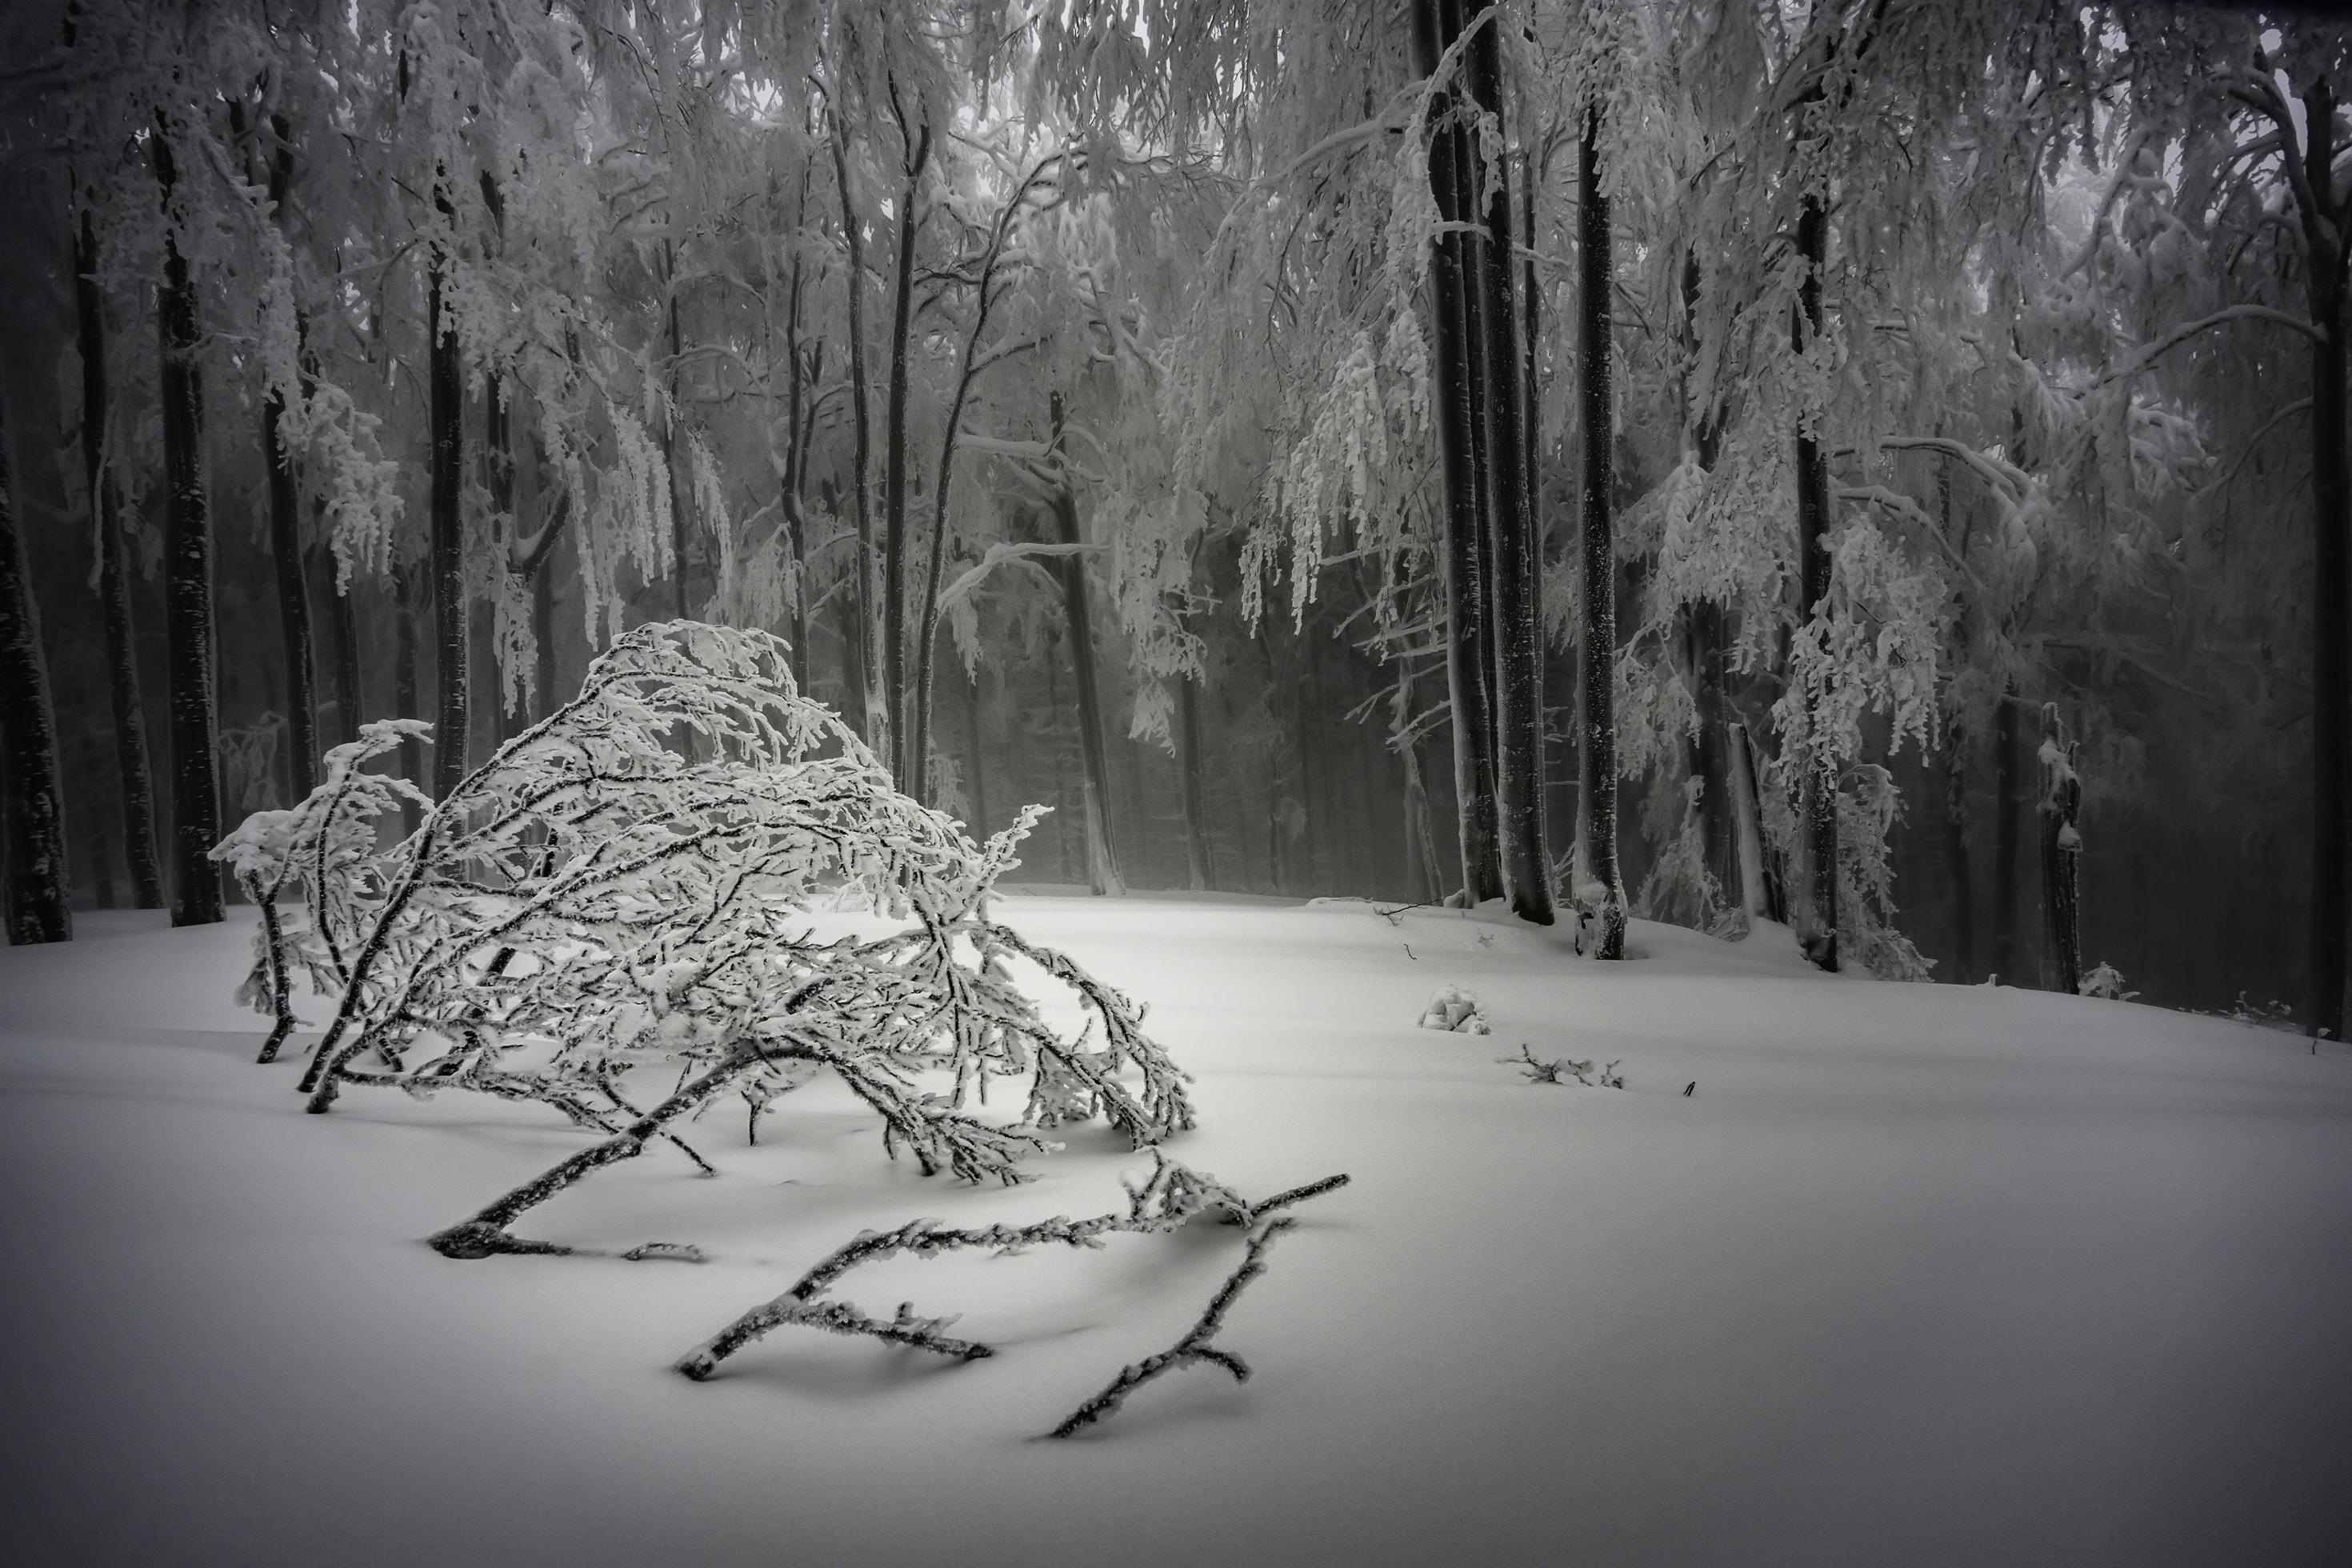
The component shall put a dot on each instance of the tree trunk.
(1197, 871)
(1748, 814)
(447, 413)
(113, 581)
(1956, 842)
(681, 607)
(978, 793)
(343, 655)
(1820, 781)
(2005, 769)
(407, 681)
(1467, 669)
(1102, 858)
(1516, 602)
(867, 623)
(2331, 497)
(286, 536)
(2062, 855)
(912, 765)
(187, 580)
(39, 890)
(1599, 548)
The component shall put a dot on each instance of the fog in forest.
(1191, 418)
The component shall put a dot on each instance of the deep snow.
(1919, 1274)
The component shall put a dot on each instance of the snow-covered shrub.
(1457, 1010)
(326, 845)
(1541, 1070)
(2105, 981)
(628, 883)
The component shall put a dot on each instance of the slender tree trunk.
(1755, 881)
(1955, 842)
(1102, 858)
(1198, 873)
(1516, 601)
(343, 644)
(795, 475)
(2005, 771)
(39, 885)
(868, 666)
(407, 681)
(2062, 856)
(113, 581)
(681, 606)
(2331, 496)
(1459, 450)
(447, 413)
(1820, 786)
(913, 765)
(187, 580)
(979, 755)
(1600, 547)
(286, 534)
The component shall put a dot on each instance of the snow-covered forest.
(690, 578)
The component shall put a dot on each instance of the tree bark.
(1820, 782)
(187, 580)
(1755, 878)
(286, 536)
(866, 664)
(2331, 496)
(1514, 602)
(343, 648)
(1198, 873)
(1102, 857)
(681, 606)
(447, 413)
(1467, 666)
(912, 765)
(38, 887)
(113, 581)
(973, 749)
(1595, 280)
(1956, 842)
(2005, 769)
(2062, 854)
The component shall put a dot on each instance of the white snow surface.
(1919, 1274)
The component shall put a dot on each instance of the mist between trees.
(1874, 469)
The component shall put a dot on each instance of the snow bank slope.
(1918, 1274)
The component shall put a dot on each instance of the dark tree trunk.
(343, 644)
(2006, 767)
(2331, 497)
(795, 475)
(1197, 870)
(1468, 669)
(680, 605)
(977, 754)
(1102, 857)
(286, 536)
(1758, 897)
(1599, 548)
(447, 413)
(407, 681)
(912, 766)
(1956, 842)
(39, 884)
(114, 582)
(187, 581)
(1514, 602)
(867, 625)
(1820, 785)
(2062, 856)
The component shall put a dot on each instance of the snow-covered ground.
(1916, 1275)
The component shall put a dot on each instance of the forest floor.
(1918, 1274)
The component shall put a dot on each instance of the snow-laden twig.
(1194, 1347)
(1537, 1069)
(1168, 1198)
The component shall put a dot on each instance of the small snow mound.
(1457, 1010)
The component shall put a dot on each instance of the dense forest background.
(1136, 405)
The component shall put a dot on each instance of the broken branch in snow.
(1535, 1070)
(1167, 1200)
(1194, 1347)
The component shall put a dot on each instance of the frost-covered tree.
(599, 898)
